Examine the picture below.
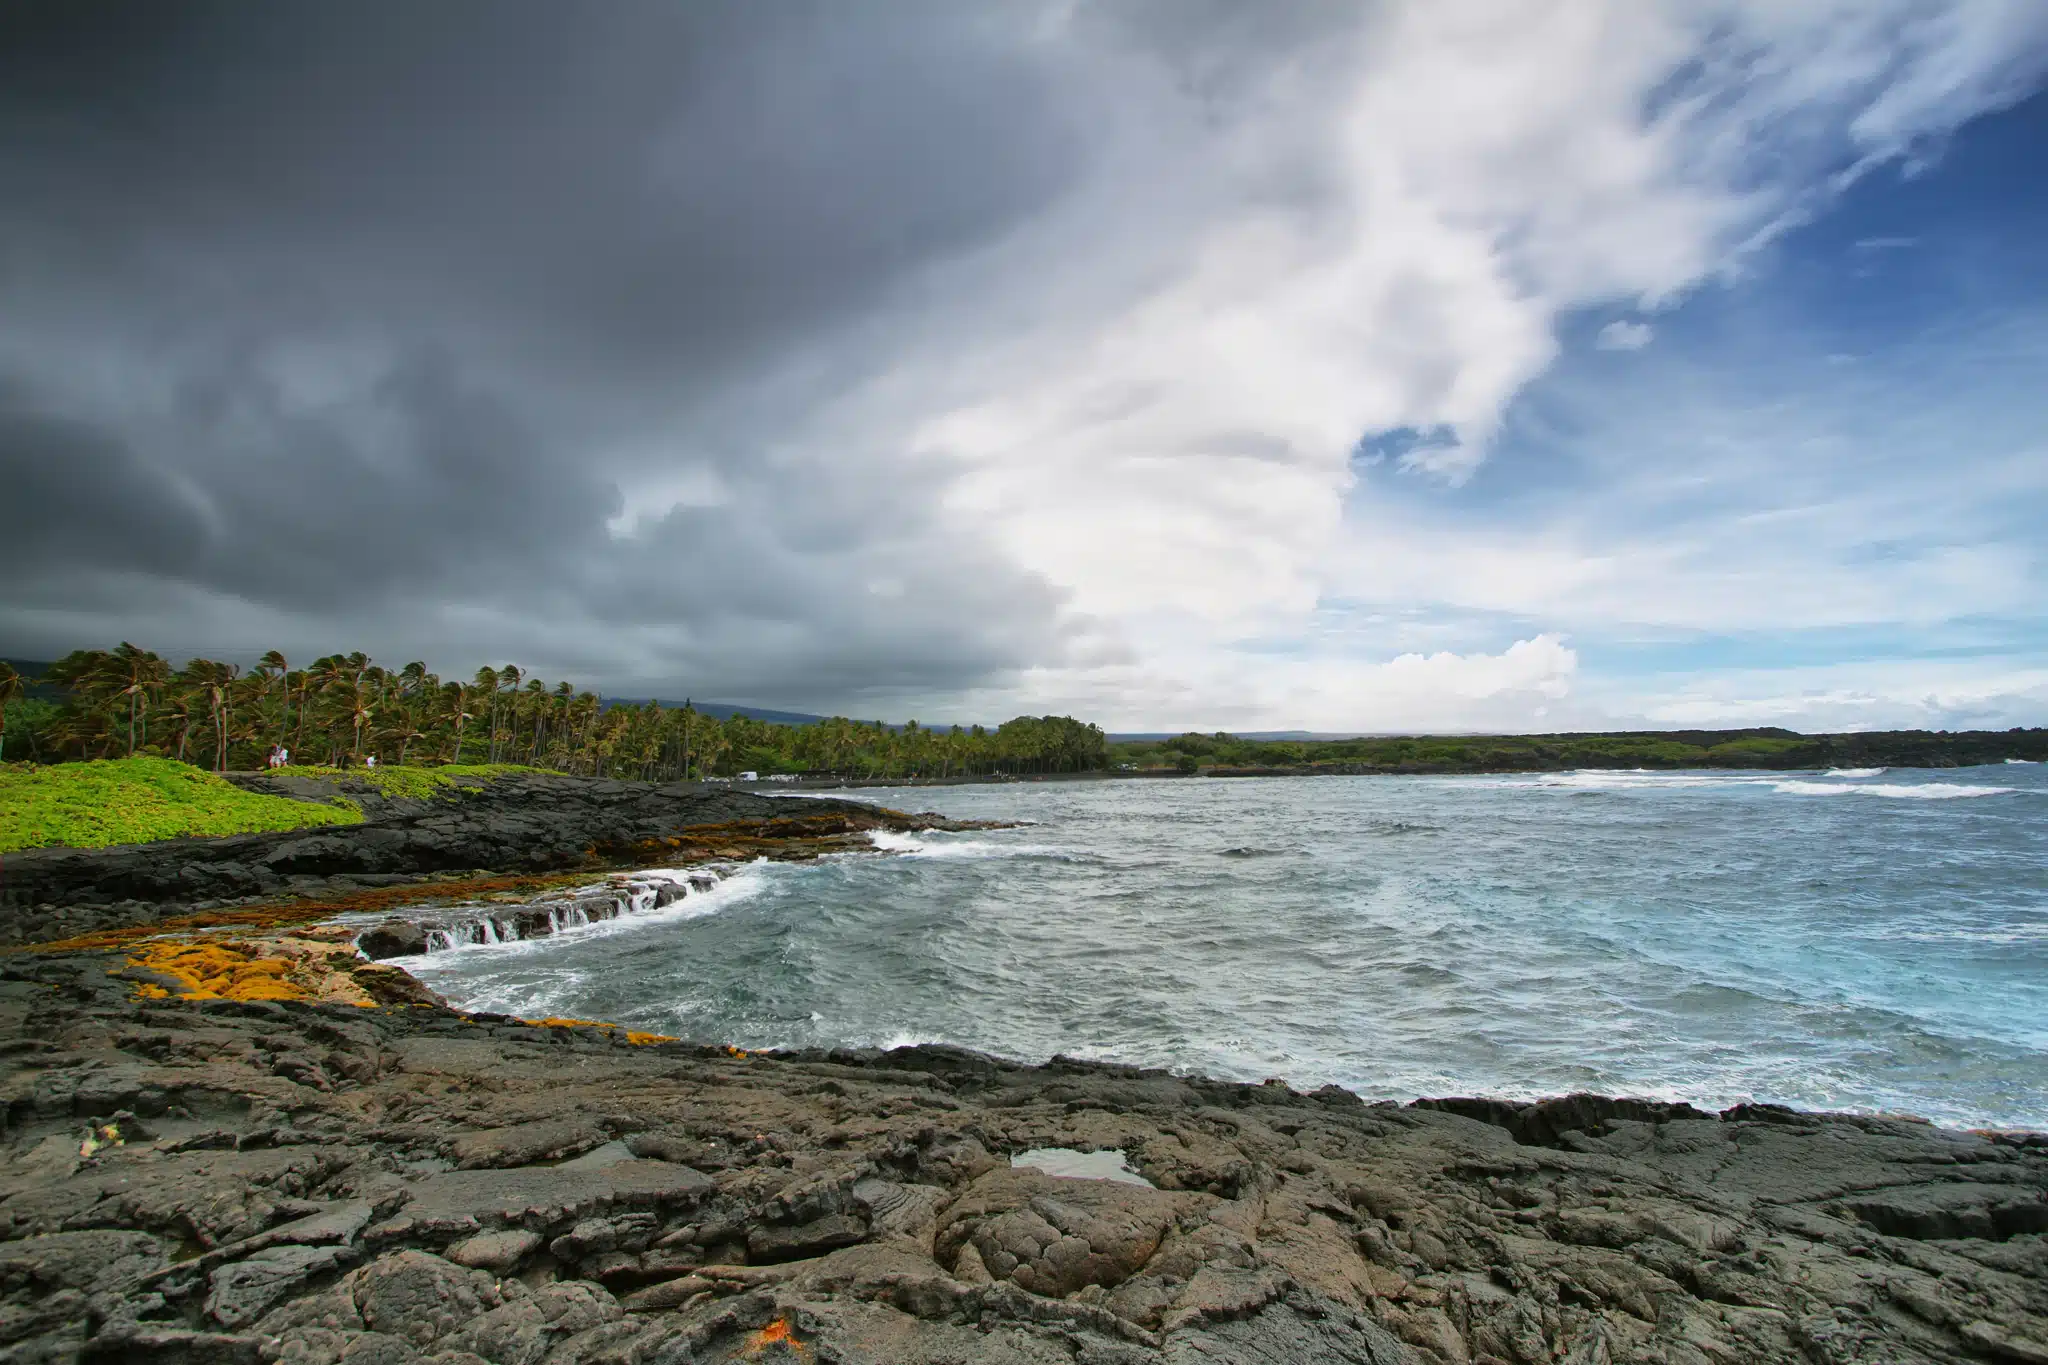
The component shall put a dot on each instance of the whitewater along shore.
(227, 1136)
(520, 826)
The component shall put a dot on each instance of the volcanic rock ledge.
(522, 823)
(243, 1181)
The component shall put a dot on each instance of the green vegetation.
(343, 708)
(135, 800)
(1764, 748)
(21, 721)
(411, 783)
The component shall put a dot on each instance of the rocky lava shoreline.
(302, 1181)
(524, 823)
(251, 1143)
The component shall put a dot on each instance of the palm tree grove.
(342, 709)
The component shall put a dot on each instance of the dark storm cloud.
(64, 478)
(348, 325)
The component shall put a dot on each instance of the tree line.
(1756, 748)
(342, 708)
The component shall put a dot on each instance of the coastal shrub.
(136, 800)
(409, 783)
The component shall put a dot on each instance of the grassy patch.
(137, 800)
(418, 784)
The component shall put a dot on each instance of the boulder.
(392, 938)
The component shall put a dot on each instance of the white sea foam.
(735, 886)
(1925, 791)
(2030, 762)
(901, 1039)
(1623, 779)
(917, 846)
(1849, 782)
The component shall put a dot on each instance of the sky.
(1452, 365)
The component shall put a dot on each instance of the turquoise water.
(1867, 940)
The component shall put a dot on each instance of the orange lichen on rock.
(216, 971)
(309, 964)
(777, 1333)
(633, 1036)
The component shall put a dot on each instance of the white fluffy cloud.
(1457, 177)
(1625, 335)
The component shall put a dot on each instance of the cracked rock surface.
(422, 1185)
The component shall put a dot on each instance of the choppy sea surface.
(1861, 939)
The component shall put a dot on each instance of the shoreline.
(251, 1179)
(352, 951)
(225, 1135)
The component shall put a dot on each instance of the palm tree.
(135, 674)
(12, 689)
(508, 678)
(486, 685)
(213, 680)
(273, 668)
(359, 702)
(455, 706)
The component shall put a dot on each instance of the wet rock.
(393, 938)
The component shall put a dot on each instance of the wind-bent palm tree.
(213, 680)
(274, 670)
(486, 684)
(359, 701)
(12, 689)
(455, 696)
(137, 674)
(508, 679)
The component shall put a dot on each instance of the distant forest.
(1760, 748)
(343, 708)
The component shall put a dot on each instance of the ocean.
(1852, 940)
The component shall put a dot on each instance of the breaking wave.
(1923, 791)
